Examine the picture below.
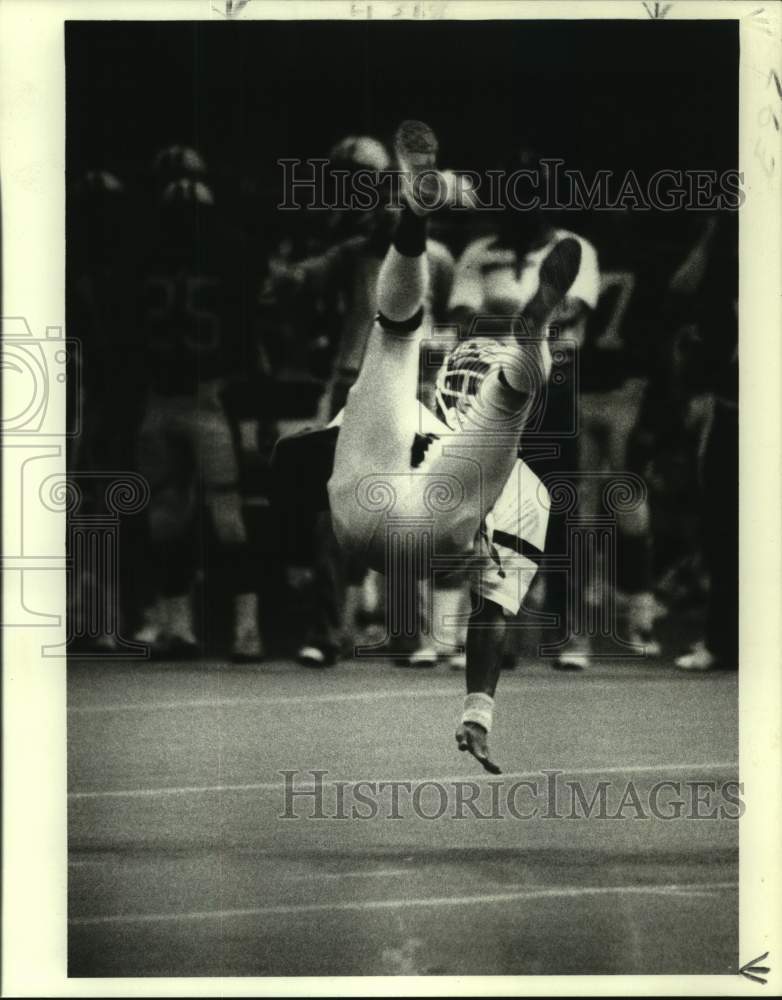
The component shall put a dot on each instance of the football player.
(100, 294)
(197, 333)
(615, 364)
(457, 488)
(707, 281)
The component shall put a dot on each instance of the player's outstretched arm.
(485, 645)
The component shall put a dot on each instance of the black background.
(610, 95)
(616, 95)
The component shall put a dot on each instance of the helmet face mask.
(461, 376)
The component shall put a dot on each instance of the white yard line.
(303, 877)
(270, 786)
(564, 892)
(271, 700)
(421, 691)
(336, 876)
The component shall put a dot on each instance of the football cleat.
(698, 660)
(315, 656)
(572, 662)
(423, 658)
(416, 146)
(651, 647)
(423, 187)
(472, 738)
(574, 657)
(557, 273)
(151, 627)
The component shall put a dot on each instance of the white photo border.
(32, 174)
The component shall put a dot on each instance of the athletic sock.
(403, 277)
(479, 708)
(245, 609)
(410, 236)
(179, 616)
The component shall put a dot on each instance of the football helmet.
(177, 161)
(461, 375)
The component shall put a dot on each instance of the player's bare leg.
(232, 552)
(485, 646)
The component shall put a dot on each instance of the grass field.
(180, 862)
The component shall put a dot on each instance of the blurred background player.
(101, 285)
(705, 292)
(615, 356)
(346, 272)
(198, 329)
(496, 276)
(101, 313)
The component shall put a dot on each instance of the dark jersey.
(102, 301)
(714, 365)
(196, 315)
(624, 337)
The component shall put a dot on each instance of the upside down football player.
(497, 520)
